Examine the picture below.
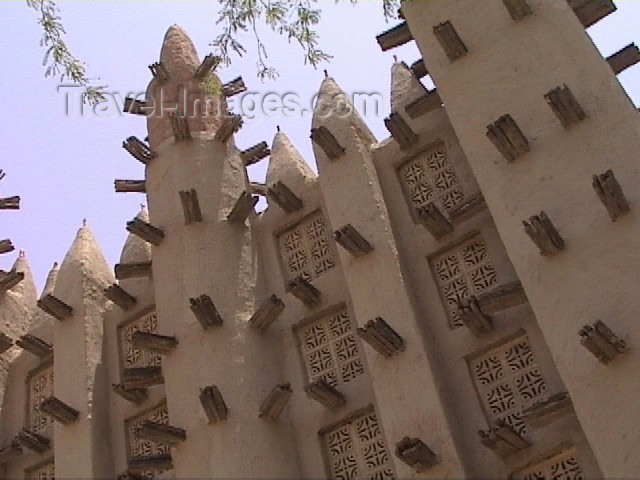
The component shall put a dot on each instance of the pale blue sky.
(63, 168)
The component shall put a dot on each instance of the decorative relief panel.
(305, 248)
(45, 471)
(357, 450)
(40, 387)
(564, 466)
(330, 349)
(142, 448)
(508, 379)
(132, 357)
(461, 271)
(430, 177)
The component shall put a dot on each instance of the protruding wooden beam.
(190, 206)
(384, 339)
(145, 231)
(394, 37)
(590, 11)
(6, 246)
(141, 377)
(435, 221)
(325, 394)
(139, 150)
(304, 291)
(602, 342)
(414, 452)
(5, 342)
(234, 87)
(610, 194)
(243, 208)
(284, 197)
(274, 404)
(154, 343)
(180, 127)
(502, 297)
(35, 345)
(429, 102)
(59, 411)
(213, 404)
(473, 317)
(230, 125)
(625, 58)
(130, 186)
(133, 395)
(503, 439)
(10, 203)
(419, 69)
(132, 270)
(160, 433)
(352, 241)
(2, 174)
(262, 319)
(10, 279)
(151, 463)
(205, 311)
(258, 189)
(546, 411)
(507, 137)
(159, 72)
(323, 137)
(209, 63)
(450, 41)
(565, 106)
(11, 451)
(55, 307)
(120, 296)
(134, 106)
(518, 9)
(544, 234)
(254, 154)
(400, 130)
(33, 441)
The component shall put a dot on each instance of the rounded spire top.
(287, 164)
(51, 280)
(136, 250)
(405, 87)
(27, 287)
(178, 51)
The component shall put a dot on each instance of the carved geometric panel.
(40, 387)
(132, 357)
(330, 349)
(45, 471)
(305, 248)
(357, 450)
(461, 271)
(139, 447)
(508, 379)
(563, 466)
(430, 177)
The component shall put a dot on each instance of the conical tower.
(205, 275)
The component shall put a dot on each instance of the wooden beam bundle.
(435, 221)
(133, 395)
(35, 345)
(10, 279)
(6, 246)
(230, 125)
(507, 137)
(205, 311)
(546, 411)
(134, 106)
(209, 63)
(132, 270)
(254, 154)
(139, 150)
(384, 339)
(270, 309)
(544, 234)
(394, 37)
(602, 342)
(213, 404)
(120, 296)
(610, 194)
(154, 463)
(190, 206)
(400, 130)
(258, 189)
(10, 203)
(428, 102)
(518, 9)
(565, 106)
(160, 433)
(325, 394)
(154, 343)
(415, 453)
(323, 137)
(274, 404)
(450, 41)
(625, 58)
(59, 411)
(503, 439)
(159, 72)
(243, 208)
(305, 292)
(180, 127)
(130, 186)
(234, 87)
(145, 231)
(33, 441)
(284, 197)
(473, 317)
(55, 307)
(141, 377)
(352, 241)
